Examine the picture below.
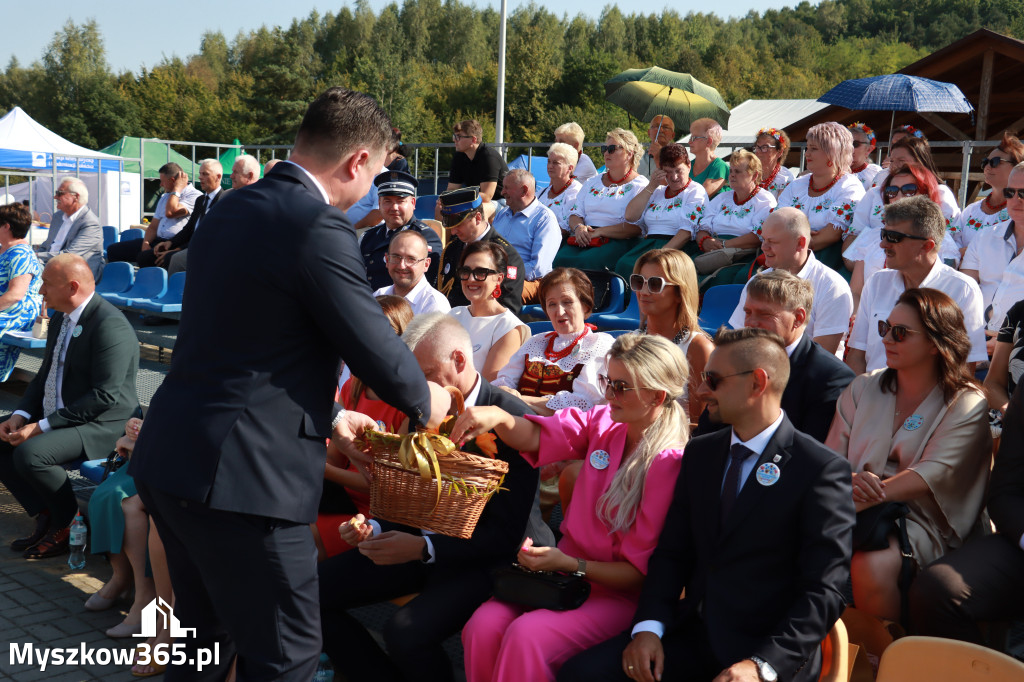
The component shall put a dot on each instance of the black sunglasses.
(610, 148)
(858, 143)
(894, 237)
(655, 285)
(910, 189)
(1010, 192)
(713, 380)
(618, 386)
(994, 162)
(479, 274)
(899, 331)
(764, 148)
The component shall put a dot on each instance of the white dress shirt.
(423, 298)
(65, 227)
(993, 253)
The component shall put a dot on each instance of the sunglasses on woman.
(479, 274)
(908, 190)
(655, 285)
(617, 386)
(764, 148)
(858, 144)
(610, 148)
(894, 237)
(899, 331)
(713, 380)
(1010, 192)
(994, 162)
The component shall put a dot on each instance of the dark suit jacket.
(98, 388)
(181, 240)
(85, 239)
(769, 583)
(1006, 488)
(448, 282)
(503, 521)
(816, 378)
(240, 421)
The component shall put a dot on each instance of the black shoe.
(53, 544)
(42, 527)
(156, 320)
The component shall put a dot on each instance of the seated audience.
(991, 209)
(450, 576)
(771, 148)
(169, 217)
(667, 210)
(661, 132)
(980, 582)
(600, 233)
(494, 331)
(465, 213)
(901, 133)
(787, 238)
(20, 279)
(631, 450)
(408, 261)
(665, 285)
(572, 135)
(74, 228)
(733, 217)
(560, 195)
(77, 404)
(707, 169)
(475, 164)
(912, 237)
(864, 143)
(530, 227)
(829, 193)
(1007, 367)
(560, 369)
(397, 201)
(779, 301)
(749, 572)
(172, 254)
(916, 432)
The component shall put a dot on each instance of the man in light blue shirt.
(530, 226)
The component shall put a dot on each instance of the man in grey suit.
(75, 228)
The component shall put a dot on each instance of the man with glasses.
(396, 191)
(475, 164)
(408, 259)
(759, 535)
(466, 214)
(75, 228)
(912, 238)
(530, 226)
(994, 257)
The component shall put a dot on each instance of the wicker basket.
(450, 505)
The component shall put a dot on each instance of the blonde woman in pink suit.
(631, 450)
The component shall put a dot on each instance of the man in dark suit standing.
(781, 302)
(759, 534)
(230, 462)
(451, 575)
(77, 404)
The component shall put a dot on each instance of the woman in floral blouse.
(733, 218)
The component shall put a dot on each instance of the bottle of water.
(77, 542)
(324, 670)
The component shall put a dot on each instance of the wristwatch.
(176, 194)
(764, 670)
(581, 567)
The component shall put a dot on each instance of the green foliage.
(433, 62)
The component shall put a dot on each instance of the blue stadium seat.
(134, 233)
(150, 283)
(717, 307)
(93, 469)
(19, 342)
(110, 236)
(117, 278)
(170, 302)
(616, 333)
(626, 319)
(609, 293)
(540, 327)
(425, 207)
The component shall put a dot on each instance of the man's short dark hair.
(171, 169)
(752, 347)
(18, 217)
(341, 120)
(923, 214)
(470, 127)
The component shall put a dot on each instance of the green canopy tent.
(157, 154)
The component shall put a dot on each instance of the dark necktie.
(737, 454)
(204, 201)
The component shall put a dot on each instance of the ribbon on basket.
(418, 451)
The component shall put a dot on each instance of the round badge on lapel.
(77, 331)
(599, 459)
(913, 422)
(768, 474)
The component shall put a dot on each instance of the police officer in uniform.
(467, 216)
(397, 196)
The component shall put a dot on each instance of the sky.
(178, 31)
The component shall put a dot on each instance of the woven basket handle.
(457, 399)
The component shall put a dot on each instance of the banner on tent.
(65, 164)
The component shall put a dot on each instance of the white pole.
(499, 122)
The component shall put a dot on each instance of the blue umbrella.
(898, 92)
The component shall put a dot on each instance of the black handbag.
(874, 527)
(540, 589)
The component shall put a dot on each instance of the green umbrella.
(646, 93)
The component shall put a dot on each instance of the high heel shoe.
(97, 603)
(156, 668)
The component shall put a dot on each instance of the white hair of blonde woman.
(573, 131)
(656, 364)
(627, 138)
(711, 128)
(566, 153)
(78, 187)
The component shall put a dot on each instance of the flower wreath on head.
(863, 127)
(911, 130)
(770, 132)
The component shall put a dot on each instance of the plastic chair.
(110, 236)
(438, 229)
(133, 233)
(541, 327)
(170, 302)
(627, 319)
(425, 207)
(835, 655)
(946, 660)
(609, 295)
(150, 283)
(93, 469)
(117, 278)
(719, 302)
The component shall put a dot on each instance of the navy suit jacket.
(769, 582)
(241, 419)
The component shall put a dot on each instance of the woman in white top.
(668, 210)
(864, 143)
(829, 193)
(496, 333)
(771, 147)
(991, 209)
(600, 233)
(559, 369)
(560, 195)
(734, 217)
(664, 282)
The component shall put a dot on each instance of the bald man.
(76, 406)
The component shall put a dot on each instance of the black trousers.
(248, 585)
(415, 633)
(35, 475)
(131, 251)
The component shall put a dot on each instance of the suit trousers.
(35, 475)
(178, 262)
(980, 581)
(261, 570)
(414, 634)
(132, 252)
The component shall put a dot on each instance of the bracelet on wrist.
(700, 242)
